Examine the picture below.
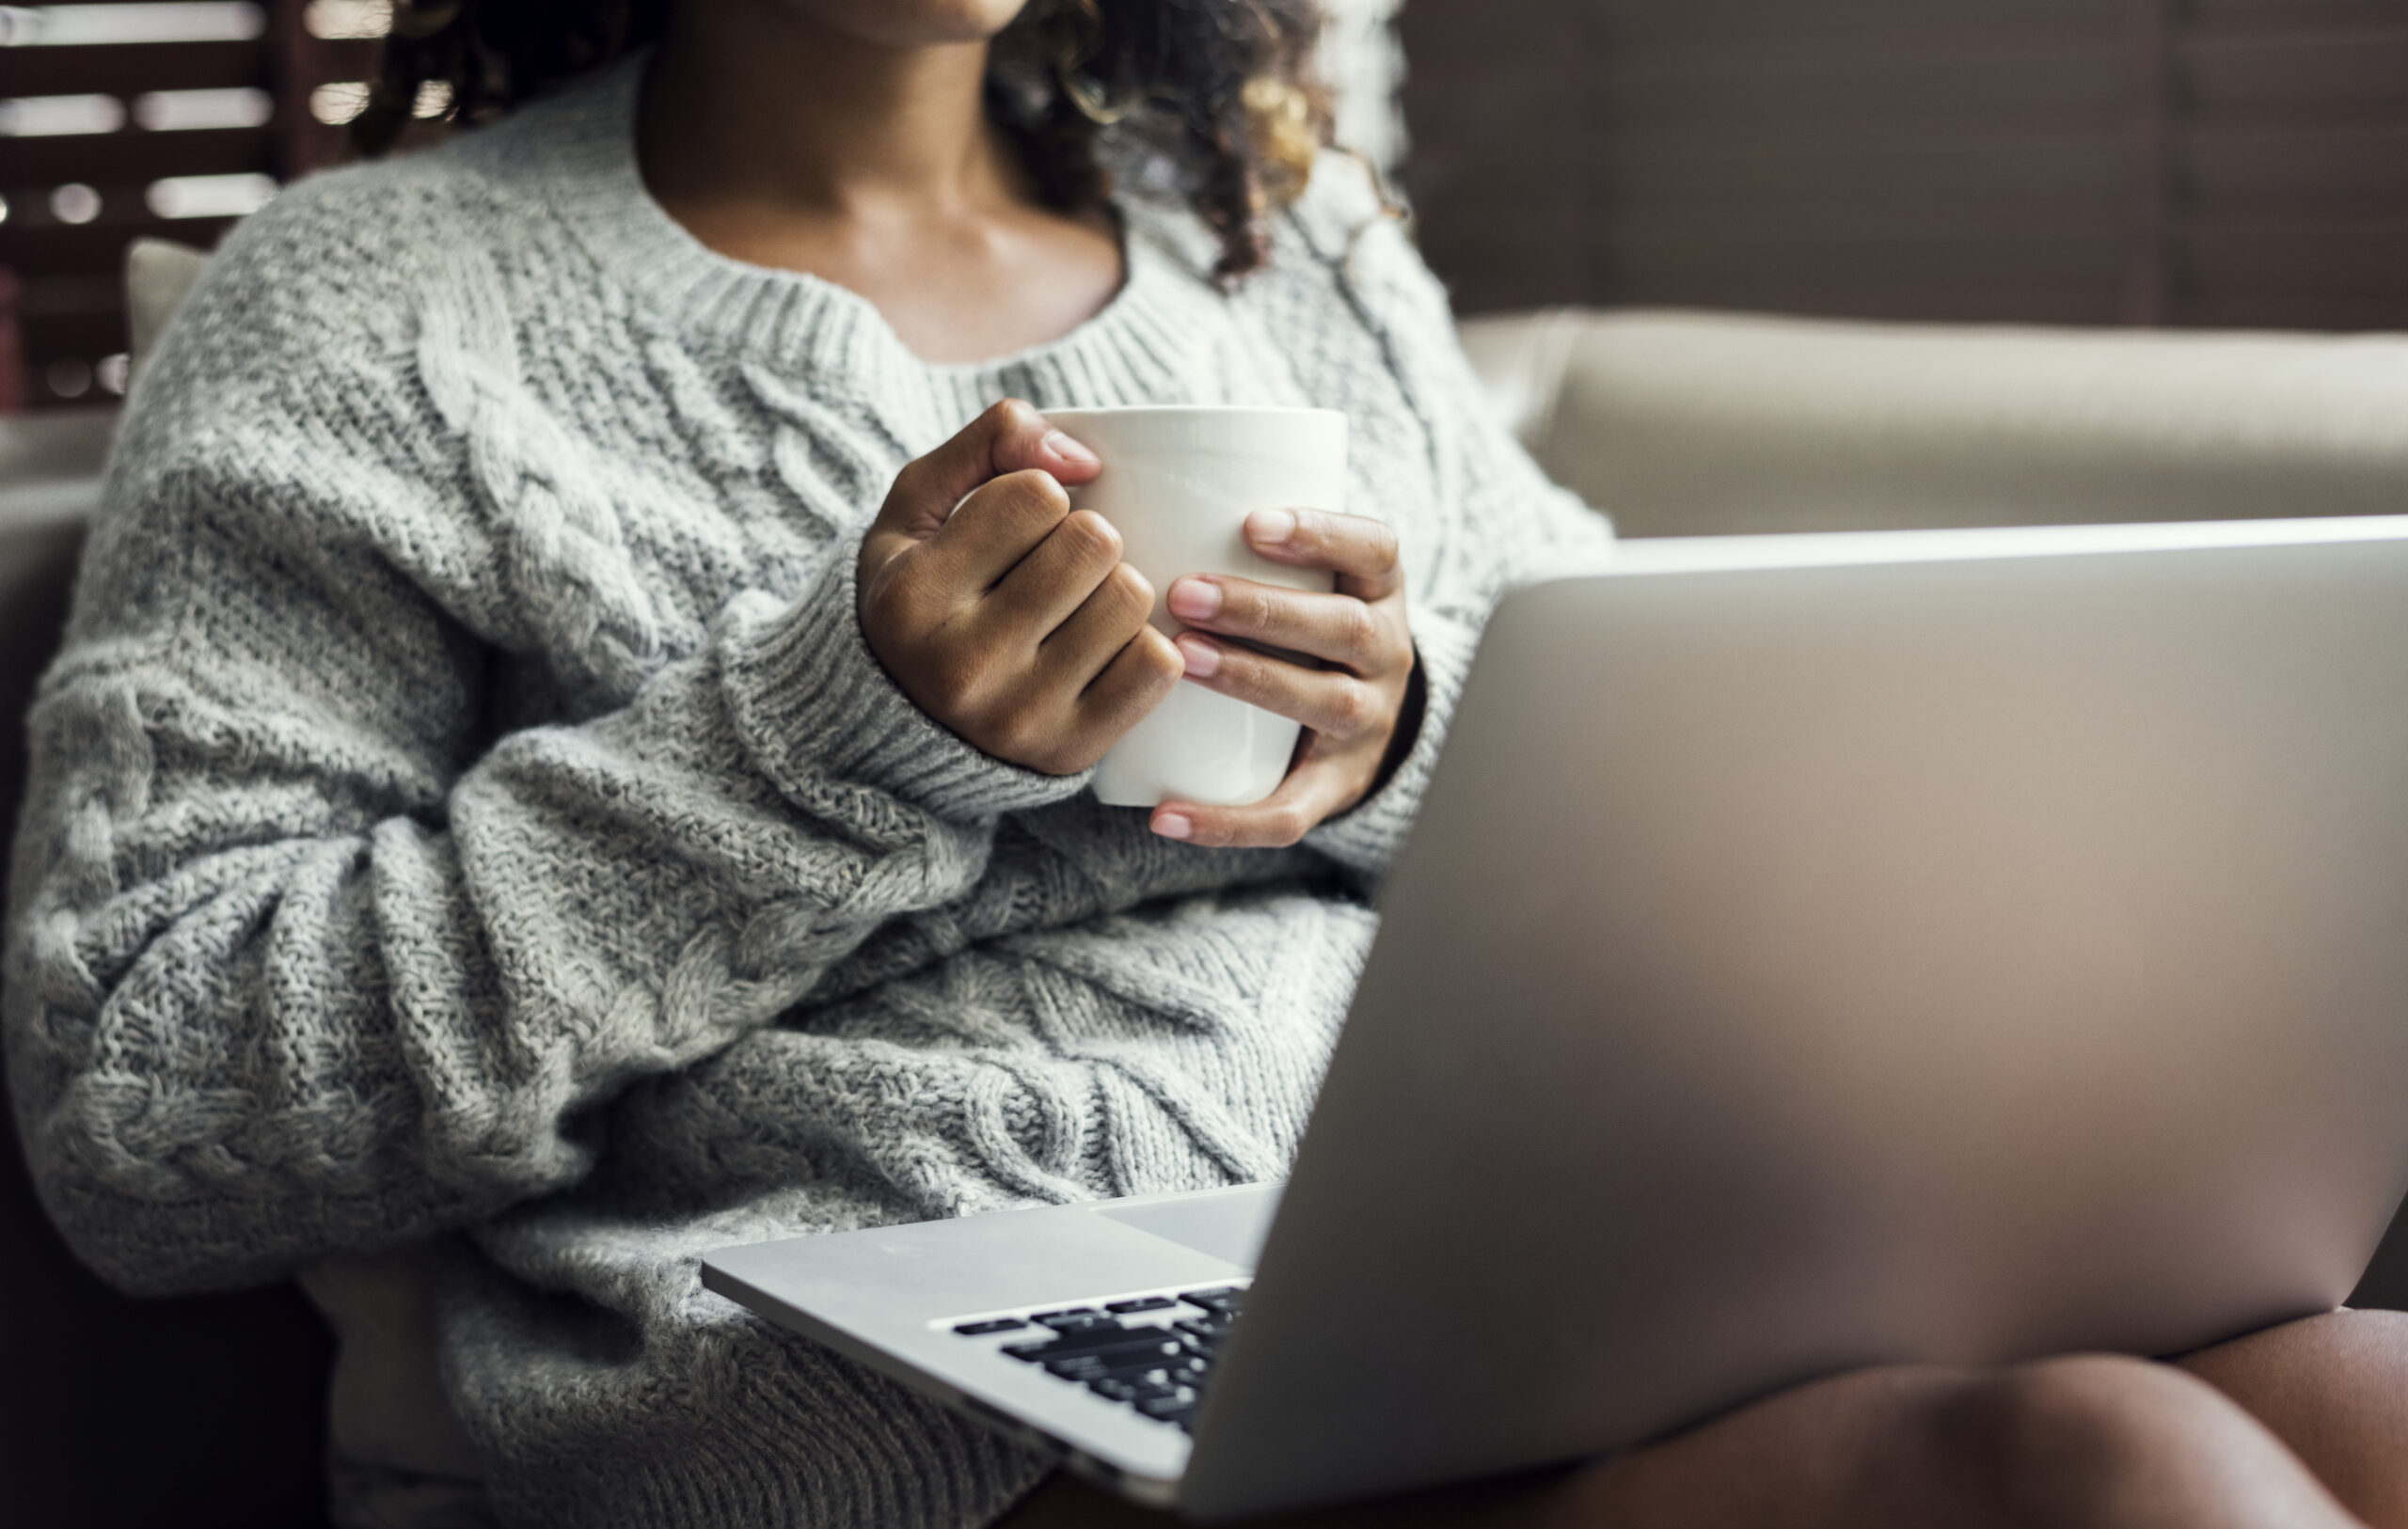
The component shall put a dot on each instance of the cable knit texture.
(466, 808)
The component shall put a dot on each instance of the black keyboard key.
(1174, 1365)
(1000, 1324)
(1132, 1359)
(1131, 1388)
(1107, 1336)
(1224, 1301)
(1143, 1303)
(1079, 1343)
(1203, 1333)
(1174, 1409)
(1073, 1319)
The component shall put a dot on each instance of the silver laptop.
(1813, 953)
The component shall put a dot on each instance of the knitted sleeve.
(300, 956)
(1498, 521)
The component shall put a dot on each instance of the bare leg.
(2116, 1444)
(2080, 1442)
(2336, 1390)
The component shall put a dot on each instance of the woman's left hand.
(1350, 706)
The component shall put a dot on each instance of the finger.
(1144, 671)
(1077, 650)
(1061, 573)
(1312, 792)
(997, 527)
(1009, 437)
(1337, 628)
(1359, 550)
(1334, 704)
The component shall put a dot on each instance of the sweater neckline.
(1132, 349)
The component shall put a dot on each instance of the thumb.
(1009, 437)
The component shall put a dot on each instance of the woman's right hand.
(1002, 613)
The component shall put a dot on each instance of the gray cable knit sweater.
(465, 805)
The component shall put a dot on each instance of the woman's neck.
(750, 100)
(780, 141)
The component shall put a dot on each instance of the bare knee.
(2103, 1440)
(2373, 1342)
(2054, 1442)
(2335, 1389)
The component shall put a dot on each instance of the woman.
(570, 755)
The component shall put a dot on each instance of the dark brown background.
(2187, 162)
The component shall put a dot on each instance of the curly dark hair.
(1219, 93)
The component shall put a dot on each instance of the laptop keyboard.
(1152, 1353)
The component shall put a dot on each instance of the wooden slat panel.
(2195, 161)
(1490, 29)
(302, 63)
(2292, 165)
(1524, 256)
(2338, 76)
(2290, 16)
(2041, 83)
(2048, 173)
(1720, 24)
(94, 293)
(2313, 172)
(1497, 118)
(86, 336)
(136, 157)
(1502, 277)
(345, 59)
(1483, 192)
(2368, 260)
(124, 71)
(59, 249)
(1500, 186)
(2279, 310)
(284, 60)
(1660, 260)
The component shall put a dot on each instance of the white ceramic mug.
(1177, 484)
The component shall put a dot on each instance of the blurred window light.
(186, 111)
(46, 117)
(111, 370)
(335, 20)
(4, 209)
(74, 203)
(186, 21)
(69, 378)
(339, 102)
(433, 99)
(208, 196)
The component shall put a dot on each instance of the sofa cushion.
(159, 273)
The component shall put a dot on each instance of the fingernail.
(1202, 656)
(1070, 450)
(1194, 600)
(1272, 525)
(1172, 825)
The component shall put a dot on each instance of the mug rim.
(1127, 409)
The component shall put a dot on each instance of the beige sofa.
(1695, 424)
